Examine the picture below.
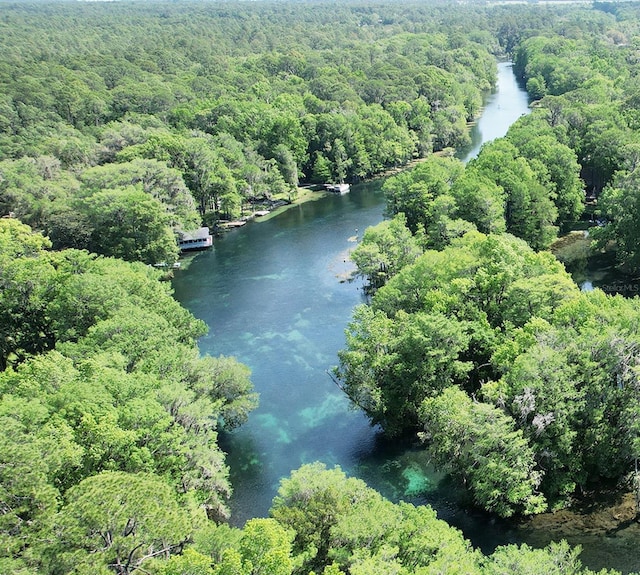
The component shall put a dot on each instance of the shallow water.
(273, 294)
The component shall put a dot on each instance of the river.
(273, 295)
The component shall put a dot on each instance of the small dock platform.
(338, 188)
(232, 224)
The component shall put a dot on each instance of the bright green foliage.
(429, 545)
(538, 56)
(369, 99)
(341, 524)
(75, 213)
(230, 564)
(473, 279)
(526, 191)
(556, 559)
(561, 410)
(26, 277)
(125, 391)
(262, 548)
(480, 444)
(393, 364)
(471, 313)
(227, 382)
(265, 547)
(36, 452)
(573, 391)
(54, 297)
(128, 223)
(99, 411)
(206, 175)
(590, 100)
(413, 191)
(159, 181)
(541, 395)
(366, 527)
(443, 227)
(561, 164)
(213, 539)
(90, 289)
(151, 344)
(310, 502)
(530, 212)
(365, 535)
(190, 562)
(120, 520)
(384, 250)
(18, 240)
(384, 562)
(480, 200)
(407, 536)
(236, 114)
(31, 187)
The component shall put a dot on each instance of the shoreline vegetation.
(604, 513)
(314, 192)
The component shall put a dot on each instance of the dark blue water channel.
(274, 296)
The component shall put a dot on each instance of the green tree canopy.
(129, 224)
(480, 444)
(384, 250)
(118, 520)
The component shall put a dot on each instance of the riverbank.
(605, 526)
(265, 211)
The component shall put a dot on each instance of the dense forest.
(140, 123)
(124, 124)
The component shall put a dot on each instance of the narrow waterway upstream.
(273, 295)
(501, 109)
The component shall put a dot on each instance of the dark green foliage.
(526, 191)
(122, 124)
(620, 206)
(481, 445)
(550, 370)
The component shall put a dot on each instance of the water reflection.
(502, 108)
